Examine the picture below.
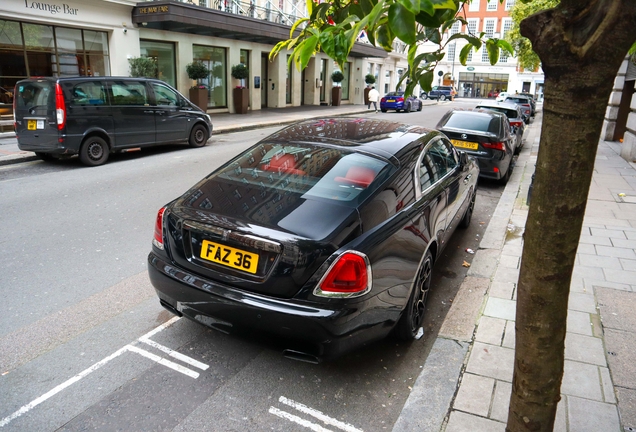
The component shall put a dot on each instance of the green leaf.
(412, 6)
(506, 46)
(444, 4)
(463, 54)
(295, 26)
(426, 80)
(328, 44)
(427, 7)
(493, 51)
(471, 39)
(384, 37)
(310, 6)
(433, 35)
(306, 52)
(402, 23)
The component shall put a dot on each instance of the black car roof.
(382, 137)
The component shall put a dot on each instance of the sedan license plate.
(465, 144)
(390, 100)
(229, 256)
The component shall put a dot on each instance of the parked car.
(442, 93)
(533, 103)
(524, 104)
(396, 101)
(513, 112)
(323, 234)
(96, 116)
(502, 96)
(485, 135)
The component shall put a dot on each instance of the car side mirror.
(463, 159)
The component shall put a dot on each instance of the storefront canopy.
(234, 23)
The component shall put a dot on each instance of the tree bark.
(581, 45)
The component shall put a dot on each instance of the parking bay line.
(28, 407)
(312, 412)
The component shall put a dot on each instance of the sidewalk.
(465, 384)
(225, 122)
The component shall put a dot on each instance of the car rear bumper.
(487, 166)
(313, 330)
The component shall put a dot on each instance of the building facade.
(98, 37)
(480, 79)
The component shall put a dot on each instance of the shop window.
(346, 81)
(215, 59)
(163, 53)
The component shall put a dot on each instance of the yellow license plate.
(229, 256)
(465, 144)
(31, 124)
(390, 100)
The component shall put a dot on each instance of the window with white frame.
(509, 4)
(474, 6)
(503, 56)
(489, 26)
(506, 25)
(484, 55)
(450, 54)
(455, 28)
(469, 58)
(492, 5)
(473, 23)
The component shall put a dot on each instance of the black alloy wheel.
(94, 151)
(413, 316)
(198, 136)
(465, 222)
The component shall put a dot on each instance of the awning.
(180, 17)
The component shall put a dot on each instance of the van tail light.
(15, 100)
(60, 107)
(158, 239)
(495, 145)
(348, 276)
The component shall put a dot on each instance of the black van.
(95, 116)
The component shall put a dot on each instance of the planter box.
(336, 96)
(199, 97)
(241, 100)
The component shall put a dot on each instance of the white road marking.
(317, 414)
(163, 361)
(184, 370)
(173, 353)
(298, 420)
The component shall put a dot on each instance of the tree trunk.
(581, 45)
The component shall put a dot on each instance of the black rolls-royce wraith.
(323, 234)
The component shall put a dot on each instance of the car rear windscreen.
(35, 94)
(508, 112)
(472, 121)
(518, 100)
(305, 171)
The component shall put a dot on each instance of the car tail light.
(383, 100)
(516, 123)
(158, 240)
(495, 145)
(400, 99)
(348, 276)
(60, 107)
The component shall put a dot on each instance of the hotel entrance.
(481, 85)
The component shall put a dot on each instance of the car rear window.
(472, 121)
(517, 100)
(35, 94)
(394, 94)
(508, 112)
(305, 171)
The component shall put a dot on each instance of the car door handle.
(467, 178)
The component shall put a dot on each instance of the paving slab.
(484, 263)
(627, 407)
(462, 317)
(501, 308)
(621, 357)
(462, 422)
(587, 349)
(490, 330)
(491, 361)
(579, 322)
(617, 309)
(591, 416)
(582, 380)
(474, 394)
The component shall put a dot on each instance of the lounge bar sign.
(51, 7)
(152, 9)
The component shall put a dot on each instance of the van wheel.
(413, 315)
(198, 136)
(94, 151)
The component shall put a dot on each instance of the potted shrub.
(142, 67)
(240, 92)
(369, 79)
(199, 92)
(336, 91)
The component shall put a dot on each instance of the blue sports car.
(396, 101)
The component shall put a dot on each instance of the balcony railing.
(286, 12)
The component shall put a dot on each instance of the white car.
(502, 96)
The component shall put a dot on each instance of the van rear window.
(35, 94)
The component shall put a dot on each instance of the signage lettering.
(51, 7)
(153, 9)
